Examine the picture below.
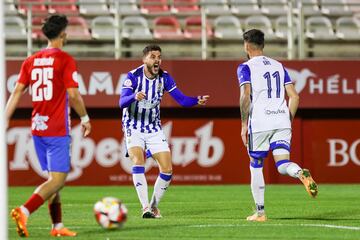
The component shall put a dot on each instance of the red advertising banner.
(206, 151)
(203, 152)
(332, 150)
(321, 84)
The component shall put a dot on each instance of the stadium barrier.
(321, 84)
(206, 150)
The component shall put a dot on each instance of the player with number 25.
(52, 77)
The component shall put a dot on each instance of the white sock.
(58, 226)
(25, 210)
(285, 167)
(139, 180)
(160, 187)
(258, 187)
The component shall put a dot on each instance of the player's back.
(49, 73)
(268, 105)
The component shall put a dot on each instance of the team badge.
(159, 88)
(127, 83)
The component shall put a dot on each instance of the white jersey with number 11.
(267, 78)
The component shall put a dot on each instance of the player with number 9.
(51, 75)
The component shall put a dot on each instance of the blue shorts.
(53, 153)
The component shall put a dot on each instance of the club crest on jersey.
(127, 83)
(159, 88)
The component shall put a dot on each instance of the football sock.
(139, 180)
(55, 213)
(285, 167)
(260, 209)
(25, 211)
(160, 187)
(258, 187)
(58, 226)
(33, 203)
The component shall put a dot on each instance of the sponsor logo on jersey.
(39, 122)
(272, 112)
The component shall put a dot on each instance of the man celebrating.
(51, 74)
(141, 95)
(266, 118)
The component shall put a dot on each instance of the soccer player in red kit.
(51, 74)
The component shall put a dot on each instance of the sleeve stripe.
(288, 83)
(245, 82)
(172, 89)
(128, 87)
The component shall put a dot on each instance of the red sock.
(34, 202)
(55, 212)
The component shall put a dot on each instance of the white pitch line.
(49, 228)
(235, 225)
(280, 224)
(331, 226)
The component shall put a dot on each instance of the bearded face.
(152, 62)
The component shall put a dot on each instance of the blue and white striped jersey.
(144, 115)
(267, 78)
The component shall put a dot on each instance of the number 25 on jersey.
(42, 88)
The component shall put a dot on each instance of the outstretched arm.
(14, 101)
(187, 101)
(244, 110)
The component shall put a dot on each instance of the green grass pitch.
(207, 212)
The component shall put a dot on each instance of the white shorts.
(153, 142)
(277, 140)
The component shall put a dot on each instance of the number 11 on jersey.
(276, 75)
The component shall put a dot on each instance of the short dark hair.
(149, 48)
(255, 36)
(54, 25)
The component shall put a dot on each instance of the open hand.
(202, 100)
(244, 135)
(86, 128)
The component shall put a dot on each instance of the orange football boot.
(257, 218)
(156, 212)
(20, 220)
(309, 183)
(63, 232)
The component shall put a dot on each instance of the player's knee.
(56, 183)
(280, 151)
(257, 162)
(167, 170)
(137, 160)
